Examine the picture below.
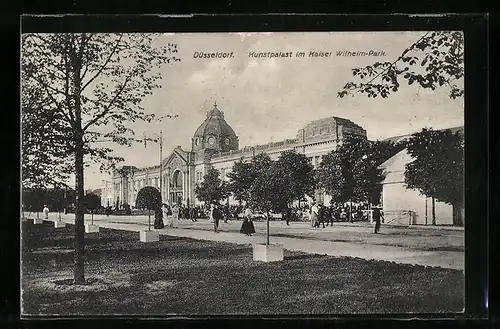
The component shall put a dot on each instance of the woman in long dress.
(167, 214)
(247, 227)
(175, 216)
(314, 215)
(158, 224)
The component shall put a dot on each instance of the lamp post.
(159, 140)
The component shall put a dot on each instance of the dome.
(215, 133)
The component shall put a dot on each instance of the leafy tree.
(92, 202)
(350, 173)
(241, 178)
(42, 157)
(243, 174)
(149, 198)
(297, 177)
(433, 61)
(94, 85)
(33, 199)
(437, 170)
(266, 192)
(212, 189)
(367, 175)
(337, 171)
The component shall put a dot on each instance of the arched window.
(177, 179)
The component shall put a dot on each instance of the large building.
(215, 144)
(402, 205)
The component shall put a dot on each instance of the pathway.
(436, 247)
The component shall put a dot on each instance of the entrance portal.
(176, 189)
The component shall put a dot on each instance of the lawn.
(191, 277)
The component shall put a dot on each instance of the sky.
(270, 99)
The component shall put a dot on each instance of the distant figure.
(193, 213)
(377, 215)
(45, 211)
(314, 215)
(175, 216)
(167, 213)
(159, 218)
(216, 215)
(321, 216)
(247, 227)
(287, 216)
(343, 215)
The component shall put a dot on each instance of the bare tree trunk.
(267, 229)
(74, 105)
(350, 211)
(426, 210)
(79, 277)
(433, 211)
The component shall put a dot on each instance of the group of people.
(319, 214)
(216, 214)
(171, 214)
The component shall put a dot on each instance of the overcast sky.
(270, 99)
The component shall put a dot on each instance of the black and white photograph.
(242, 173)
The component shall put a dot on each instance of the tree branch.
(108, 108)
(104, 65)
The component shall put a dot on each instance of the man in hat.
(377, 216)
(217, 216)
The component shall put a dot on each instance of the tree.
(433, 61)
(297, 177)
(149, 198)
(212, 189)
(337, 171)
(243, 175)
(94, 84)
(241, 178)
(33, 199)
(437, 168)
(351, 174)
(92, 202)
(367, 176)
(266, 192)
(42, 153)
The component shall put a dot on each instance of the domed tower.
(214, 135)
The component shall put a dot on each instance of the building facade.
(402, 205)
(215, 144)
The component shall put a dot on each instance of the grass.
(191, 277)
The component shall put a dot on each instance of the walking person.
(330, 213)
(216, 214)
(193, 214)
(247, 227)
(287, 215)
(314, 215)
(321, 216)
(175, 216)
(45, 211)
(377, 215)
(159, 224)
(167, 213)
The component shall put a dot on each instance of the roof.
(400, 138)
(214, 124)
